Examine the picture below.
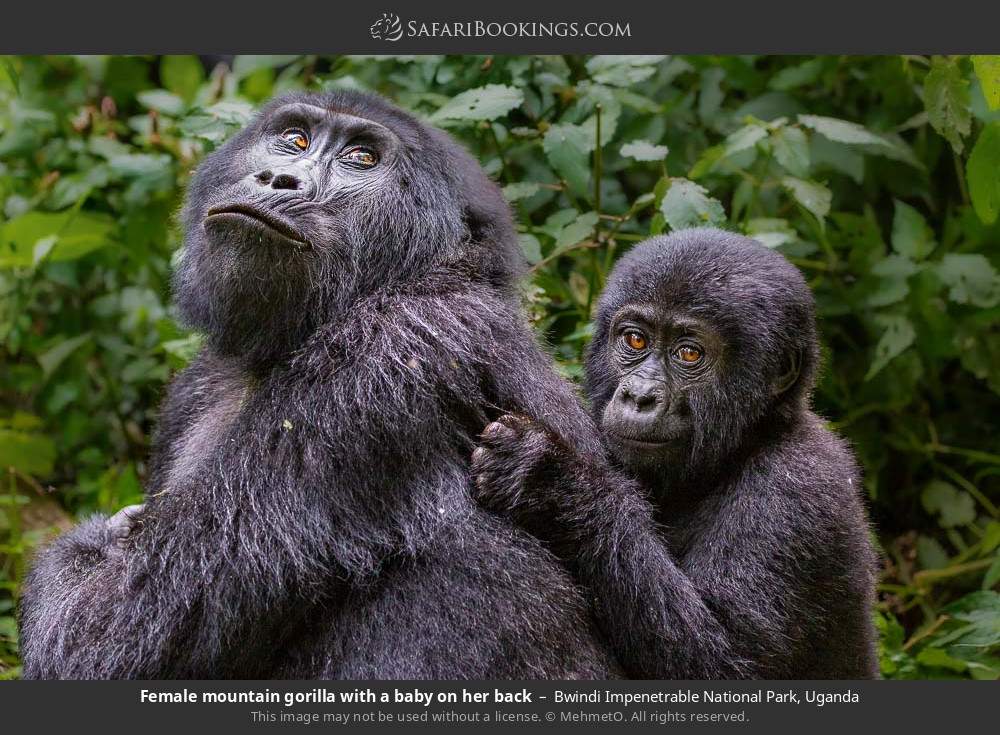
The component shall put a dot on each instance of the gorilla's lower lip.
(259, 217)
(634, 441)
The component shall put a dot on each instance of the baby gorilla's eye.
(636, 340)
(360, 157)
(296, 137)
(688, 354)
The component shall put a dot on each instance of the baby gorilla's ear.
(788, 377)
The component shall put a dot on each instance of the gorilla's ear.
(793, 366)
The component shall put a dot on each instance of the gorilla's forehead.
(320, 115)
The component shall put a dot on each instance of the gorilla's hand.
(120, 525)
(516, 469)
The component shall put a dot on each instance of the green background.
(878, 177)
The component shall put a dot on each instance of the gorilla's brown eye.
(636, 340)
(688, 354)
(360, 156)
(297, 138)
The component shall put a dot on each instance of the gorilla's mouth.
(646, 442)
(257, 217)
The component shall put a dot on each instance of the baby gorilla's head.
(701, 337)
(321, 199)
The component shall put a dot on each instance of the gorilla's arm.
(723, 610)
(323, 474)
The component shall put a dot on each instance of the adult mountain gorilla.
(309, 513)
(700, 374)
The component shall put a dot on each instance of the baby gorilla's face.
(661, 360)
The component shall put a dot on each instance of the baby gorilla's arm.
(663, 621)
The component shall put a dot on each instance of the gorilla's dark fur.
(308, 512)
(700, 374)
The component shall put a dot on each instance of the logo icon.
(387, 28)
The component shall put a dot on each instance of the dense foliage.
(878, 177)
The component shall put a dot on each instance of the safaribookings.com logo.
(390, 28)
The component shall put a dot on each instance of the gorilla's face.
(319, 199)
(664, 362)
(703, 341)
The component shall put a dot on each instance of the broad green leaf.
(746, 137)
(938, 658)
(930, 553)
(530, 247)
(32, 454)
(53, 357)
(814, 197)
(245, 65)
(162, 101)
(910, 234)
(482, 103)
(793, 77)
(791, 150)
(988, 70)
(576, 231)
(568, 149)
(946, 97)
(771, 232)
(992, 574)
(643, 150)
(971, 279)
(182, 75)
(622, 70)
(76, 233)
(841, 131)
(954, 507)
(520, 190)
(983, 173)
(687, 204)
(898, 334)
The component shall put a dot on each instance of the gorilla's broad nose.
(642, 396)
(281, 181)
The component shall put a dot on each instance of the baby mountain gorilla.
(309, 512)
(700, 374)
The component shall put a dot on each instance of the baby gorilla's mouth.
(244, 214)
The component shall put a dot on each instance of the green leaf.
(76, 233)
(791, 150)
(53, 357)
(622, 70)
(937, 658)
(746, 137)
(32, 454)
(247, 64)
(946, 98)
(687, 204)
(898, 334)
(988, 70)
(983, 173)
(530, 247)
(992, 574)
(568, 149)
(482, 103)
(814, 197)
(520, 190)
(841, 131)
(971, 279)
(643, 150)
(910, 234)
(954, 507)
(182, 75)
(793, 77)
(162, 101)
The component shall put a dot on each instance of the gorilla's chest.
(215, 414)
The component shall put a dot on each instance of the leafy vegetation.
(878, 177)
